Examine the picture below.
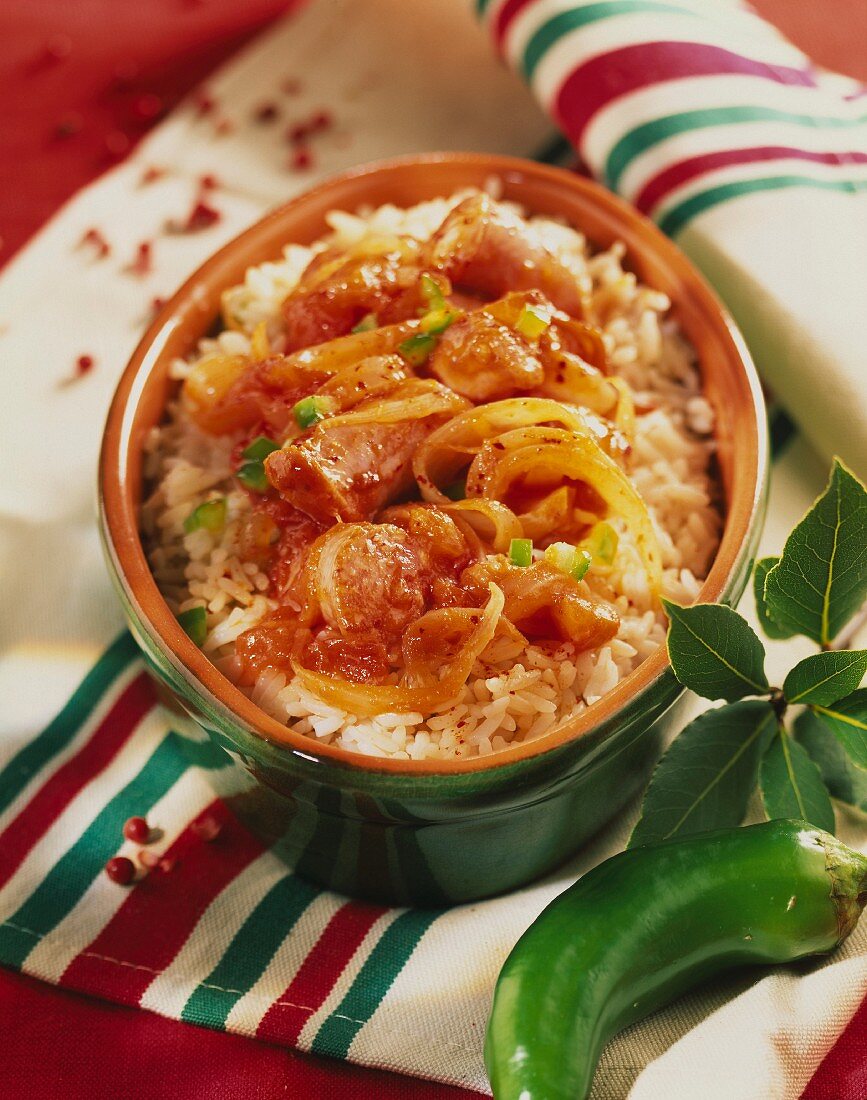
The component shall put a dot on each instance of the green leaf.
(770, 628)
(715, 652)
(847, 720)
(705, 779)
(821, 579)
(845, 782)
(824, 678)
(792, 786)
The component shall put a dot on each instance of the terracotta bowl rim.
(119, 515)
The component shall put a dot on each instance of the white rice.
(516, 693)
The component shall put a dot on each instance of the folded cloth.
(710, 122)
(221, 934)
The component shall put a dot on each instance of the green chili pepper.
(432, 292)
(195, 623)
(437, 321)
(211, 515)
(260, 448)
(309, 410)
(252, 474)
(521, 552)
(647, 925)
(417, 348)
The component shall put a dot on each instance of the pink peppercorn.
(322, 120)
(137, 830)
(152, 174)
(117, 144)
(202, 215)
(147, 107)
(143, 262)
(205, 103)
(207, 828)
(266, 112)
(95, 238)
(120, 870)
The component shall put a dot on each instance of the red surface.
(114, 58)
(60, 1045)
(111, 59)
(843, 1073)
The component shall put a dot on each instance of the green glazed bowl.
(430, 832)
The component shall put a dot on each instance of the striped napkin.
(710, 122)
(221, 934)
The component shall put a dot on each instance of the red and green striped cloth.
(222, 934)
(710, 122)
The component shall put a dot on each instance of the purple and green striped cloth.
(684, 107)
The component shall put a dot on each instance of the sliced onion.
(415, 399)
(542, 455)
(376, 376)
(344, 351)
(624, 418)
(494, 523)
(578, 338)
(569, 378)
(207, 385)
(553, 513)
(428, 690)
(447, 450)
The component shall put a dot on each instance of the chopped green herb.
(432, 292)
(252, 474)
(260, 448)
(533, 321)
(568, 558)
(194, 623)
(417, 348)
(367, 323)
(456, 491)
(309, 411)
(561, 555)
(211, 516)
(601, 543)
(580, 565)
(521, 552)
(437, 321)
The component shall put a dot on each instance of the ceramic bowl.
(430, 832)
